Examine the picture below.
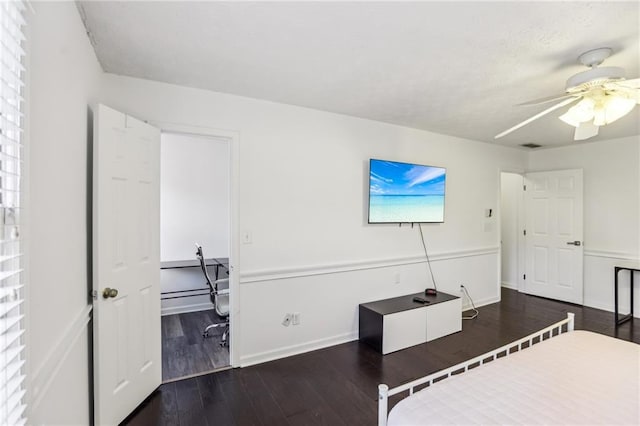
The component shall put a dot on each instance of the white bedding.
(575, 378)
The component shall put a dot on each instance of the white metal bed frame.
(384, 392)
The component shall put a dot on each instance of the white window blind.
(12, 392)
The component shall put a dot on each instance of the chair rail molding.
(334, 268)
(613, 254)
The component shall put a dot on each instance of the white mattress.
(575, 378)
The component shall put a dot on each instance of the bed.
(554, 376)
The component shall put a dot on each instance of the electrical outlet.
(287, 320)
(295, 318)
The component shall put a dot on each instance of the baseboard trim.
(248, 360)
(610, 308)
(196, 307)
(272, 355)
(334, 268)
(466, 304)
(509, 285)
(45, 373)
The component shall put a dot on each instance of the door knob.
(109, 292)
(574, 243)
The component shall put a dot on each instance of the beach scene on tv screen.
(401, 192)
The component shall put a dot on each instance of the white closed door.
(126, 263)
(554, 235)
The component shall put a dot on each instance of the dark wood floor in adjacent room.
(338, 385)
(184, 351)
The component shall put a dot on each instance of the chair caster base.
(223, 341)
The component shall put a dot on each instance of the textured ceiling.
(448, 67)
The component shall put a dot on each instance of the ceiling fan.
(602, 95)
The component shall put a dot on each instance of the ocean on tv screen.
(406, 208)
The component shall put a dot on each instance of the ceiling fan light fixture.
(581, 112)
(615, 107)
(601, 109)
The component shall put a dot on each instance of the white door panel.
(540, 265)
(554, 222)
(126, 257)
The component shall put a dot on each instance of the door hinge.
(524, 277)
(524, 187)
(524, 232)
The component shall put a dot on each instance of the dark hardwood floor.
(338, 385)
(185, 352)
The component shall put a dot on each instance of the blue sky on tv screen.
(391, 178)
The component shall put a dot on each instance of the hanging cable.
(475, 311)
(426, 253)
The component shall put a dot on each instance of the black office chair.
(219, 298)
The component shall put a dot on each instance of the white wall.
(180, 279)
(63, 79)
(611, 210)
(510, 226)
(303, 186)
(194, 196)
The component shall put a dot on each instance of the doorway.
(194, 211)
(541, 233)
(554, 241)
(511, 230)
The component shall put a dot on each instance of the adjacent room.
(194, 254)
(343, 213)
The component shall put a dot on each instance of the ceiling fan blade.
(585, 131)
(549, 99)
(540, 114)
(630, 84)
(629, 88)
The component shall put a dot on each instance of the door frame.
(521, 221)
(234, 234)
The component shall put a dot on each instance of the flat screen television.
(405, 193)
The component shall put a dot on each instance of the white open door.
(554, 250)
(126, 259)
